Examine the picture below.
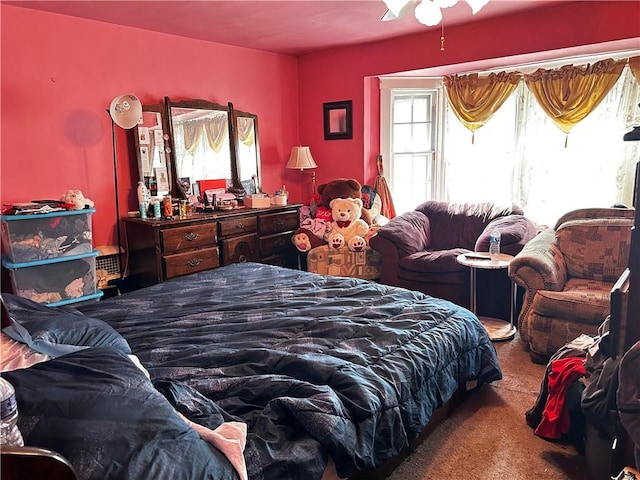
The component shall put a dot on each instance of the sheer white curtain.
(204, 163)
(520, 156)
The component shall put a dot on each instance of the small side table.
(498, 329)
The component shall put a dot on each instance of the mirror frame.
(201, 104)
(164, 109)
(235, 114)
(168, 146)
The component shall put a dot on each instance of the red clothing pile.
(555, 417)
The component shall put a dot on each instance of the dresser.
(161, 249)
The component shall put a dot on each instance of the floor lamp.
(125, 111)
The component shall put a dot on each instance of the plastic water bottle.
(494, 245)
(9, 433)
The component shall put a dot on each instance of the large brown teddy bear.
(342, 188)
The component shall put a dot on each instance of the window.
(411, 125)
(518, 157)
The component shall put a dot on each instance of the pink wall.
(349, 73)
(60, 73)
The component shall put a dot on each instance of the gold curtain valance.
(192, 132)
(216, 128)
(475, 99)
(245, 130)
(568, 94)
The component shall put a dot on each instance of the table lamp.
(301, 159)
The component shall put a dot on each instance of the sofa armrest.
(405, 235)
(390, 260)
(515, 232)
(540, 265)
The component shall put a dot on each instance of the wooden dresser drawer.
(238, 226)
(193, 236)
(275, 244)
(278, 222)
(240, 249)
(191, 262)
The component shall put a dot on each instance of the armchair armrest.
(540, 265)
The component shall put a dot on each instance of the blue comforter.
(317, 366)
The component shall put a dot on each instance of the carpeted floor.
(486, 438)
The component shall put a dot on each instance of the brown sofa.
(419, 250)
(567, 273)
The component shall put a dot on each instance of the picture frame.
(338, 120)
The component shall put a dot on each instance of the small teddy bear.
(76, 200)
(347, 228)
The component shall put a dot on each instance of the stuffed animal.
(304, 240)
(76, 200)
(347, 228)
(341, 188)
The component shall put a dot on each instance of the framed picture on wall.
(338, 123)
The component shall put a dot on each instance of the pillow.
(17, 355)
(57, 331)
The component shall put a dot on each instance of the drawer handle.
(191, 236)
(194, 262)
(242, 258)
(280, 222)
(239, 225)
(279, 242)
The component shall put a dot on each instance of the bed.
(316, 375)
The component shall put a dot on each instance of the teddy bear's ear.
(353, 183)
(321, 188)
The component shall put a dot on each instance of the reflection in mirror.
(201, 144)
(150, 140)
(248, 151)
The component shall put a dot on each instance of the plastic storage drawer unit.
(29, 238)
(56, 281)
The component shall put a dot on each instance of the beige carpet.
(487, 438)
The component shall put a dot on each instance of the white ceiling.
(291, 27)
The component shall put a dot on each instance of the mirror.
(247, 150)
(152, 147)
(201, 146)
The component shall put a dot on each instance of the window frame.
(388, 86)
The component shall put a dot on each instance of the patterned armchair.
(567, 273)
(344, 263)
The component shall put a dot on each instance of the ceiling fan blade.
(389, 15)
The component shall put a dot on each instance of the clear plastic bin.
(29, 238)
(55, 281)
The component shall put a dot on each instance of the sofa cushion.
(434, 261)
(515, 231)
(460, 225)
(585, 300)
(597, 248)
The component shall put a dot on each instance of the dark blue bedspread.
(316, 366)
